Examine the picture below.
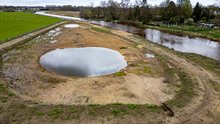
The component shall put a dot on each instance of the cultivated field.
(13, 24)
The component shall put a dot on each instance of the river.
(201, 46)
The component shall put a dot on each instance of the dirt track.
(206, 100)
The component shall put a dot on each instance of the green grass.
(2, 89)
(152, 108)
(213, 34)
(55, 113)
(102, 30)
(115, 112)
(120, 74)
(15, 24)
(5, 95)
(207, 63)
(133, 106)
(186, 92)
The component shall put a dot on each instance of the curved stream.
(195, 45)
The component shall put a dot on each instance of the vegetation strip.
(27, 37)
(191, 31)
(174, 17)
(15, 24)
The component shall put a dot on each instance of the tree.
(206, 14)
(165, 3)
(137, 13)
(187, 9)
(144, 3)
(197, 12)
(180, 2)
(163, 7)
(86, 13)
(113, 10)
(125, 3)
(130, 14)
(171, 10)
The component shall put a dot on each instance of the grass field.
(13, 24)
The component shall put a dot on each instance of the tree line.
(167, 12)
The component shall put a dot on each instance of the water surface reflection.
(199, 46)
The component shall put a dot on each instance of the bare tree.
(91, 4)
(103, 4)
(144, 3)
(125, 3)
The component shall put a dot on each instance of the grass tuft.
(120, 74)
(101, 30)
(55, 113)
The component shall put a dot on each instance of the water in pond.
(71, 26)
(199, 46)
(84, 62)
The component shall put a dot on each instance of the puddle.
(54, 41)
(53, 33)
(71, 26)
(83, 62)
(149, 56)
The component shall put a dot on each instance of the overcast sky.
(83, 2)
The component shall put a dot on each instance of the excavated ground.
(191, 91)
(32, 82)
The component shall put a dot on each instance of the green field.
(14, 24)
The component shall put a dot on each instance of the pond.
(186, 44)
(83, 62)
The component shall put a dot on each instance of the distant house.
(30, 8)
(216, 12)
(20, 8)
(207, 25)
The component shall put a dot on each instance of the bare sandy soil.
(32, 83)
(194, 96)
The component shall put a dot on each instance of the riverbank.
(191, 31)
(184, 30)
